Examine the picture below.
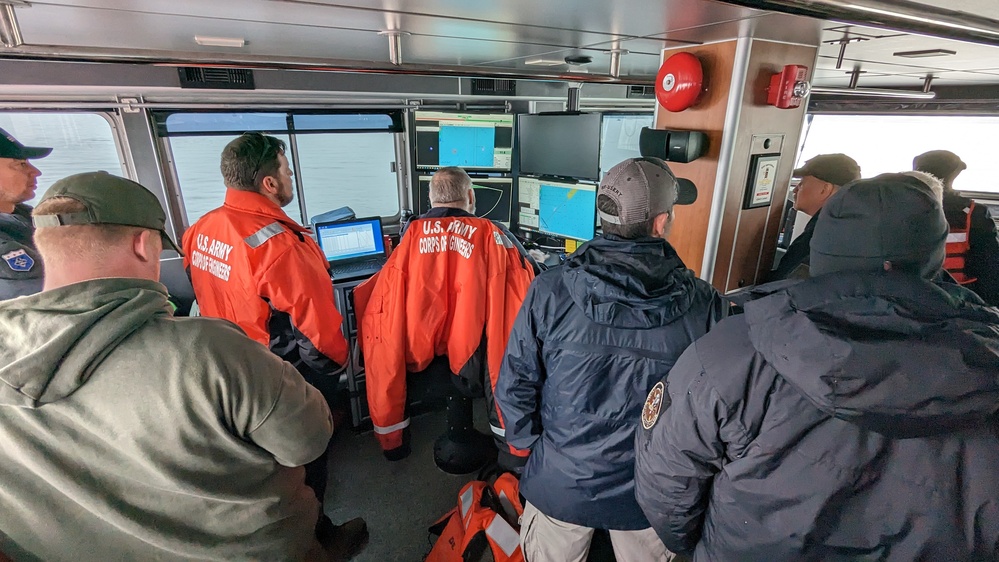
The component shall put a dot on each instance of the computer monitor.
(473, 141)
(566, 209)
(349, 240)
(619, 137)
(493, 198)
(566, 145)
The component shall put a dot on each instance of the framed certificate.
(762, 180)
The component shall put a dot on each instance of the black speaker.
(673, 146)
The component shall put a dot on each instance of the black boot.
(343, 542)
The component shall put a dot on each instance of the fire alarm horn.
(679, 82)
(788, 87)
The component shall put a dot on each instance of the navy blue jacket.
(591, 339)
(797, 253)
(20, 263)
(846, 417)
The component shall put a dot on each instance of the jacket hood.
(634, 284)
(887, 351)
(51, 342)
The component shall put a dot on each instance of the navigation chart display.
(472, 141)
(560, 209)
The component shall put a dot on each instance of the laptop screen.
(351, 239)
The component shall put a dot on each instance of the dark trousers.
(317, 471)
(316, 475)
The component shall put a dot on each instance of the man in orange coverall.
(451, 289)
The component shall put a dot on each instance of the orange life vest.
(487, 516)
(958, 245)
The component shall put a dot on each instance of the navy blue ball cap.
(10, 148)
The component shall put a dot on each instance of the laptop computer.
(355, 248)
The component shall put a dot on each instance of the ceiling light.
(219, 41)
(541, 61)
(925, 54)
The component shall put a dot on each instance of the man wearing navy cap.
(20, 264)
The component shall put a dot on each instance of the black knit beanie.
(890, 218)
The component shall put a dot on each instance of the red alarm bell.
(679, 82)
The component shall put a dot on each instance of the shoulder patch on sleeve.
(19, 260)
(653, 405)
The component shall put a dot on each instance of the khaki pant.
(544, 539)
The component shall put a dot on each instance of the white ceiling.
(491, 35)
(874, 56)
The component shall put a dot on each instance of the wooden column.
(746, 238)
(690, 226)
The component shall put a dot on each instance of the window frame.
(398, 128)
(113, 118)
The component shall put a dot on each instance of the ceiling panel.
(622, 17)
(875, 53)
(38, 27)
(479, 35)
(326, 30)
(549, 19)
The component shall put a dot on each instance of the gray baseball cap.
(643, 188)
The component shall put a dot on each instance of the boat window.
(355, 170)
(344, 158)
(196, 161)
(619, 137)
(80, 142)
(888, 143)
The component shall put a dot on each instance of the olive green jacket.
(128, 434)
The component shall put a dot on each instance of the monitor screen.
(560, 144)
(619, 138)
(473, 141)
(493, 198)
(351, 239)
(558, 208)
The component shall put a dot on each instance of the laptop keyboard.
(346, 269)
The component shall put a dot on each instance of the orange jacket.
(451, 282)
(248, 257)
(484, 512)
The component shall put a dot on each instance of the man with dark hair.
(253, 265)
(820, 178)
(129, 434)
(591, 339)
(973, 244)
(21, 272)
(849, 416)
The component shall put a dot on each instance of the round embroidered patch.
(650, 412)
